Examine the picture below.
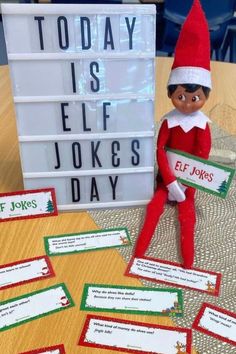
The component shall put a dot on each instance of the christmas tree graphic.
(223, 187)
(50, 208)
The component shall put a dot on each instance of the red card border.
(218, 275)
(38, 351)
(34, 191)
(112, 319)
(196, 326)
(49, 264)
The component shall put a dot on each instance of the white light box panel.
(83, 85)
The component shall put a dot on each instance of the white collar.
(186, 121)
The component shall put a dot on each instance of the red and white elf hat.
(192, 53)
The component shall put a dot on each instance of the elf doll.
(185, 128)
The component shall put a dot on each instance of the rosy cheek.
(178, 102)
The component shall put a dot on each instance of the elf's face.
(188, 102)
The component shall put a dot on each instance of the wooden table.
(23, 239)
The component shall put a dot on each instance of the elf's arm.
(167, 175)
(163, 165)
(203, 143)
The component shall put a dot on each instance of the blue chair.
(230, 42)
(218, 13)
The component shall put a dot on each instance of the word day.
(94, 190)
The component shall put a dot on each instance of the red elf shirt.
(186, 132)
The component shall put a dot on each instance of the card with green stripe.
(86, 241)
(28, 307)
(199, 173)
(136, 300)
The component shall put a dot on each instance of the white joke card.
(25, 271)
(27, 204)
(31, 306)
(86, 241)
(130, 336)
(149, 301)
(216, 322)
(172, 273)
(57, 349)
(201, 173)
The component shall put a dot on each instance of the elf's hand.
(176, 191)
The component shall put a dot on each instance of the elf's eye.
(195, 98)
(181, 97)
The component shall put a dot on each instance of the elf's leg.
(153, 212)
(187, 221)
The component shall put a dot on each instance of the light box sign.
(83, 85)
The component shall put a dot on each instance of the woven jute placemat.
(215, 247)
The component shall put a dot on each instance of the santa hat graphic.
(192, 53)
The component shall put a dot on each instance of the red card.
(60, 348)
(28, 204)
(171, 273)
(216, 322)
(134, 337)
(25, 271)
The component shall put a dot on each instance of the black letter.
(75, 189)
(39, 19)
(135, 143)
(113, 186)
(86, 20)
(94, 88)
(94, 154)
(108, 33)
(130, 30)
(84, 119)
(64, 117)
(73, 76)
(57, 156)
(76, 151)
(59, 21)
(94, 190)
(105, 115)
(115, 163)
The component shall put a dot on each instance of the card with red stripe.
(57, 349)
(216, 322)
(25, 271)
(134, 337)
(28, 204)
(171, 273)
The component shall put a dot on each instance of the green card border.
(46, 243)
(207, 162)
(136, 312)
(6, 302)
